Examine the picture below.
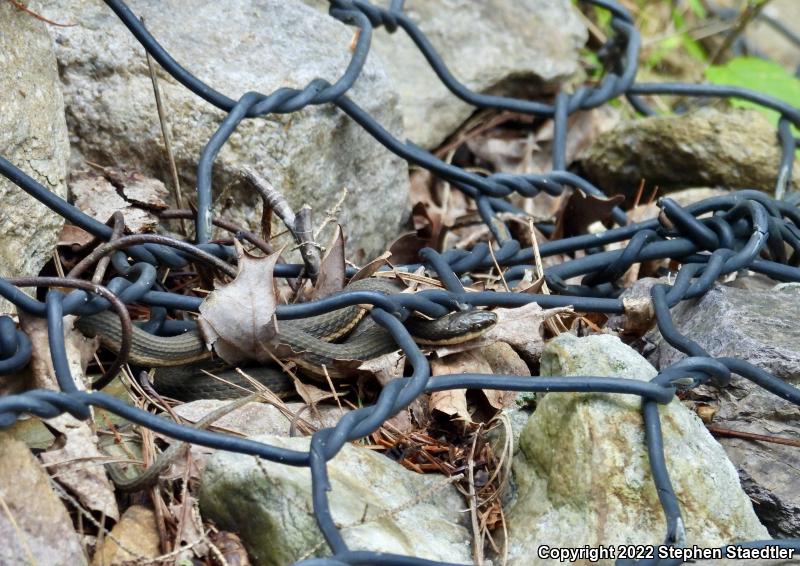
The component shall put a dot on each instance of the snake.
(326, 345)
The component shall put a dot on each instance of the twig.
(499, 271)
(477, 549)
(119, 228)
(309, 248)
(719, 431)
(751, 12)
(552, 324)
(166, 133)
(333, 213)
(23, 8)
(271, 196)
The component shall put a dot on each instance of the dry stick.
(23, 8)
(309, 249)
(272, 197)
(499, 271)
(166, 133)
(258, 242)
(719, 431)
(477, 551)
(748, 15)
(333, 213)
(299, 225)
(117, 231)
(540, 274)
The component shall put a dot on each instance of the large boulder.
(237, 46)
(734, 149)
(758, 325)
(583, 475)
(378, 504)
(33, 136)
(522, 48)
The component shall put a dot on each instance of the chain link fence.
(744, 230)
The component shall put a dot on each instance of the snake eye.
(475, 321)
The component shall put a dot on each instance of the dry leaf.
(473, 361)
(237, 319)
(311, 394)
(187, 516)
(583, 210)
(78, 465)
(385, 368)
(452, 402)
(504, 360)
(372, 267)
(332, 269)
(405, 248)
(80, 350)
(75, 461)
(73, 236)
(520, 328)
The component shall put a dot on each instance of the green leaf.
(764, 76)
(696, 6)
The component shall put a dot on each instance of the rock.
(137, 531)
(582, 470)
(33, 136)
(381, 506)
(639, 316)
(599, 355)
(517, 48)
(98, 197)
(41, 531)
(310, 156)
(735, 149)
(260, 418)
(760, 327)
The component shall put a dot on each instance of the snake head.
(453, 328)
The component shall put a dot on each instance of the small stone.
(379, 505)
(137, 531)
(734, 149)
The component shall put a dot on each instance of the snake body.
(314, 343)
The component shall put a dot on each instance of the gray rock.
(261, 418)
(33, 136)
(760, 327)
(41, 531)
(379, 505)
(735, 149)
(582, 471)
(235, 47)
(517, 48)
